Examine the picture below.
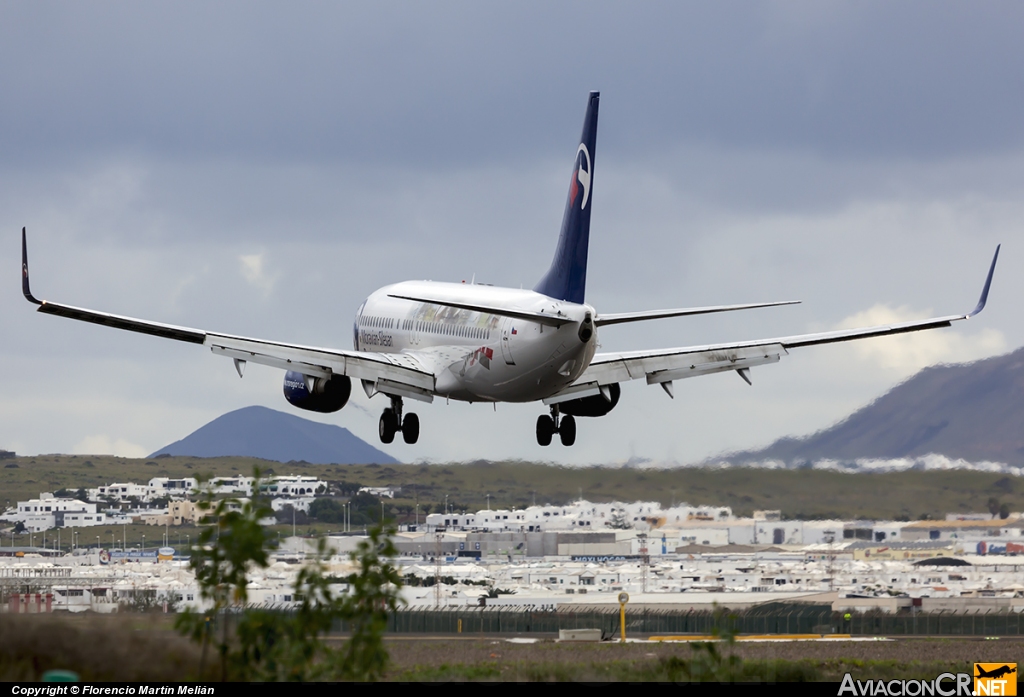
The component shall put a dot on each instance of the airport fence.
(981, 624)
(771, 618)
(774, 618)
(505, 619)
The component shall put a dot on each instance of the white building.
(581, 515)
(293, 485)
(380, 492)
(299, 503)
(175, 488)
(186, 487)
(48, 512)
(231, 485)
(119, 491)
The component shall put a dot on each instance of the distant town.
(540, 555)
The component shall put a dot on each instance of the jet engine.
(594, 405)
(324, 395)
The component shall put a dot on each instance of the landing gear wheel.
(545, 429)
(388, 426)
(567, 430)
(410, 428)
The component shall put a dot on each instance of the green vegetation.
(124, 648)
(226, 551)
(364, 509)
(290, 646)
(373, 594)
(797, 493)
(270, 645)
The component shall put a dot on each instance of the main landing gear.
(564, 426)
(391, 422)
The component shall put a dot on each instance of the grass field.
(133, 647)
(797, 493)
(494, 659)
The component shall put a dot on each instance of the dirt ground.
(409, 651)
(489, 658)
(136, 647)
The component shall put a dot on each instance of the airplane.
(421, 340)
(995, 672)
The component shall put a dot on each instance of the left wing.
(396, 374)
(662, 366)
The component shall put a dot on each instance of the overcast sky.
(260, 168)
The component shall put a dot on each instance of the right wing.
(662, 366)
(395, 374)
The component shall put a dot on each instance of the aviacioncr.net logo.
(945, 685)
(995, 679)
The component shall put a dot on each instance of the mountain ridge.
(274, 435)
(965, 411)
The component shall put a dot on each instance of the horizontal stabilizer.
(539, 317)
(621, 317)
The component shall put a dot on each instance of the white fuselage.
(478, 356)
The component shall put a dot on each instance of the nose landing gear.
(391, 422)
(564, 426)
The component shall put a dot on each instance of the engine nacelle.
(594, 405)
(324, 395)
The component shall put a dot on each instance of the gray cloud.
(850, 155)
(447, 83)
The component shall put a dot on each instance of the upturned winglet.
(24, 272)
(984, 291)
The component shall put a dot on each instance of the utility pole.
(645, 559)
(438, 537)
(830, 537)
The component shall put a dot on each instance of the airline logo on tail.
(581, 175)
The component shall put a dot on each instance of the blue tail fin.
(567, 277)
